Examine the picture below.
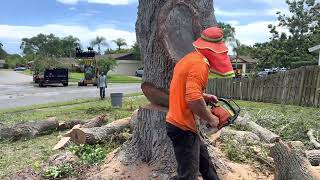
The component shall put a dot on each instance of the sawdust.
(115, 170)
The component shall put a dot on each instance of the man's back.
(102, 81)
(189, 78)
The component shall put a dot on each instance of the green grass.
(113, 78)
(288, 121)
(21, 154)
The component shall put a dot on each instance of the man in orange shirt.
(187, 99)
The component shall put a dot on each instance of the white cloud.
(68, 1)
(110, 2)
(14, 34)
(256, 32)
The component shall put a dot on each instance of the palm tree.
(120, 42)
(99, 41)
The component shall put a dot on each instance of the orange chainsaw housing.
(223, 115)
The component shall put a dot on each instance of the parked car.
(20, 69)
(139, 72)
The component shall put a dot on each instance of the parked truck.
(53, 76)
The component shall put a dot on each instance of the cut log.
(313, 140)
(98, 134)
(241, 136)
(29, 129)
(264, 134)
(95, 122)
(314, 157)
(62, 143)
(69, 124)
(291, 163)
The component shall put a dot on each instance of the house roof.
(315, 48)
(120, 56)
(244, 59)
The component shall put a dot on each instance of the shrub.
(61, 171)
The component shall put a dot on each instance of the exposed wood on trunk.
(29, 129)
(264, 134)
(313, 140)
(314, 157)
(98, 134)
(291, 163)
(155, 95)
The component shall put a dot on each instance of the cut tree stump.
(98, 134)
(291, 163)
(314, 157)
(313, 140)
(264, 134)
(29, 129)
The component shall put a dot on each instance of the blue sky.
(112, 19)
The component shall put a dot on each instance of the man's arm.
(199, 108)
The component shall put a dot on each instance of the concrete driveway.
(17, 90)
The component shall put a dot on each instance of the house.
(316, 49)
(244, 64)
(127, 63)
(2, 62)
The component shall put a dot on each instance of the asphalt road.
(17, 90)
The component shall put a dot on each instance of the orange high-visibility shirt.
(190, 77)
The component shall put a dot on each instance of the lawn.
(290, 122)
(28, 153)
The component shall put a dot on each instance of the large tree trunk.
(165, 32)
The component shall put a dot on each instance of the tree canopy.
(120, 42)
(50, 46)
(290, 49)
(99, 41)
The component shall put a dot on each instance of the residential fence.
(296, 87)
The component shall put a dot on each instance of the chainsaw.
(226, 110)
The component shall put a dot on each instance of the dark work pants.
(191, 154)
(102, 92)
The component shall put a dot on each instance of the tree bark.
(98, 134)
(165, 32)
(29, 129)
(314, 157)
(290, 163)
